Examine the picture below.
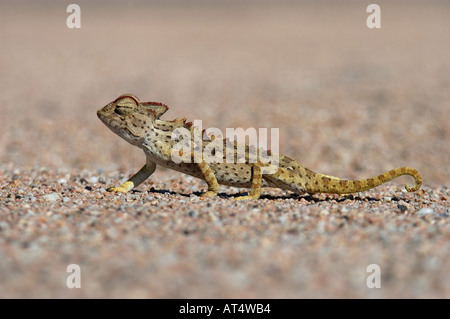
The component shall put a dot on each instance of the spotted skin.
(139, 123)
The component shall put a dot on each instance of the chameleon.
(139, 123)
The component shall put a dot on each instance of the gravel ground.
(349, 101)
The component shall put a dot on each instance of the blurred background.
(349, 101)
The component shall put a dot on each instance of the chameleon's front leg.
(136, 179)
(255, 190)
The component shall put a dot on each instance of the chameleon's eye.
(124, 108)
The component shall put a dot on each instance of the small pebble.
(425, 211)
(52, 197)
(93, 179)
(192, 213)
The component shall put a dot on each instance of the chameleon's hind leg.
(290, 179)
(255, 190)
(210, 179)
(136, 179)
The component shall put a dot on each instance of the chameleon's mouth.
(101, 115)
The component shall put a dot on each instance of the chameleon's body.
(139, 123)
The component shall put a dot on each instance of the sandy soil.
(349, 101)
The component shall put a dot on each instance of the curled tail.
(329, 184)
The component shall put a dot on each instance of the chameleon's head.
(129, 118)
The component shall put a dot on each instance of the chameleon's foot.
(124, 188)
(246, 197)
(208, 194)
(116, 190)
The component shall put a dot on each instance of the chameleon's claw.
(116, 189)
(208, 194)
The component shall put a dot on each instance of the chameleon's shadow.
(162, 191)
(307, 197)
(165, 191)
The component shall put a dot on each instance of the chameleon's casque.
(139, 123)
